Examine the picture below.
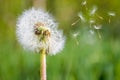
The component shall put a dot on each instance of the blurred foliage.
(85, 56)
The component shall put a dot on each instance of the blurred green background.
(89, 53)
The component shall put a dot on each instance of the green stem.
(43, 65)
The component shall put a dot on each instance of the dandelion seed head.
(37, 29)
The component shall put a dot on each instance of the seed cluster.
(37, 29)
(42, 32)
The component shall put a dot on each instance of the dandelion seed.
(81, 16)
(84, 2)
(75, 34)
(111, 13)
(75, 22)
(97, 26)
(92, 21)
(94, 9)
(37, 29)
(100, 17)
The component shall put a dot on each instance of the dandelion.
(37, 31)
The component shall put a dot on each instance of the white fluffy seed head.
(26, 32)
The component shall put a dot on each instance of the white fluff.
(27, 38)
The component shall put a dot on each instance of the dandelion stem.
(43, 65)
